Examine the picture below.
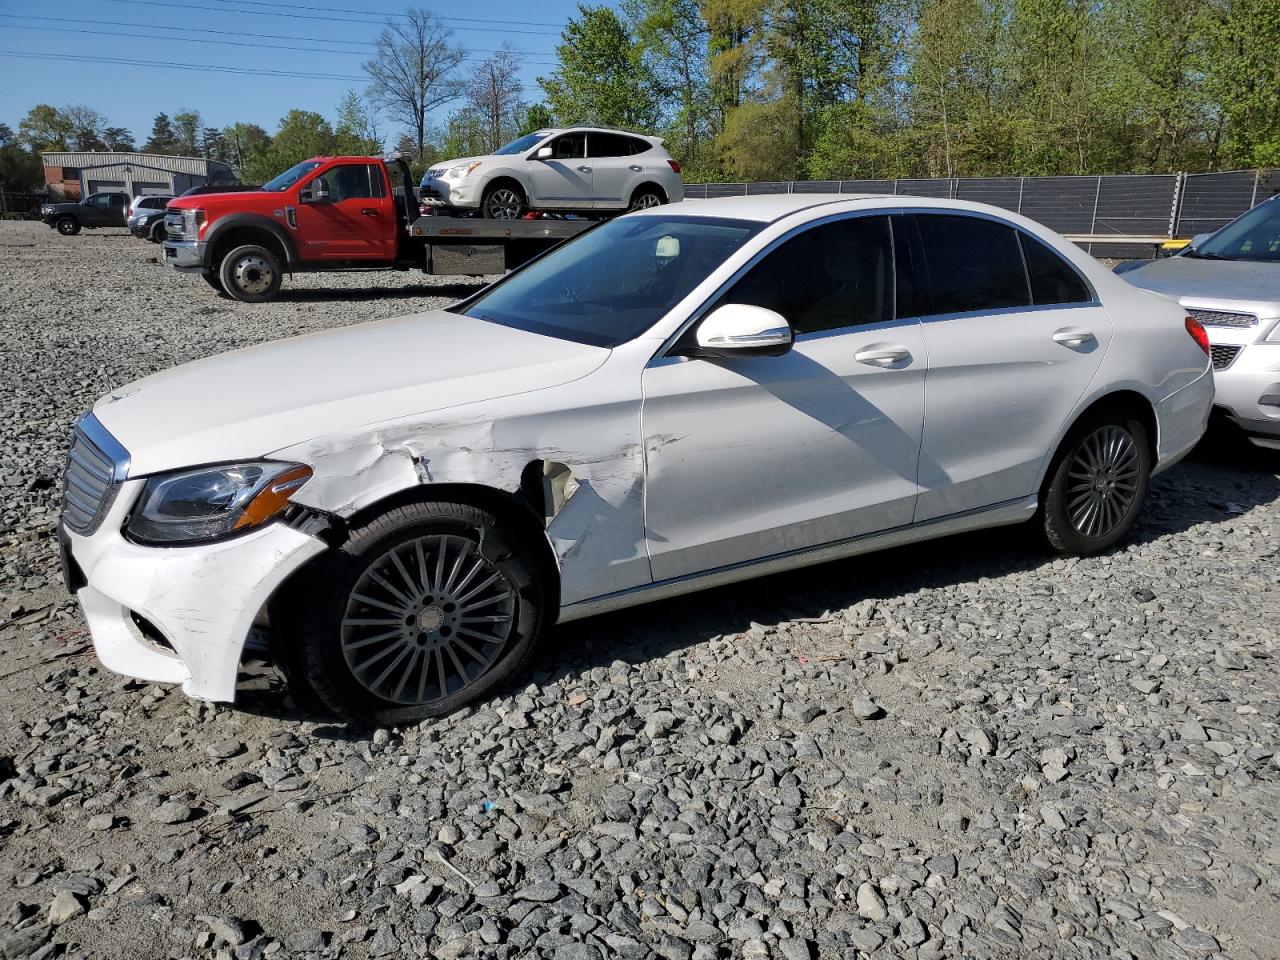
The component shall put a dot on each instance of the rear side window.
(835, 275)
(639, 146)
(608, 145)
(974, 264)
(1053, 280)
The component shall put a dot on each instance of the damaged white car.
(678, 398)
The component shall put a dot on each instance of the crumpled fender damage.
(595, 523)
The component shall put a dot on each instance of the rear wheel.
(647, 197)
(68, 226)
(1097, 484)
(502, 202)
(250, 273)
(423, 610)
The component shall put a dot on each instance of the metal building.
(72, 175)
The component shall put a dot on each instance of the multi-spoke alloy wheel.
(426, 619)
(1102, 481)
(646, 200)
(1096, 485)
(503, 203)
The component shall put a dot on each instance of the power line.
(264, 13)
(198, 67)
(380, 13)
(231, 43)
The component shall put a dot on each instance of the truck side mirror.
(316, 192)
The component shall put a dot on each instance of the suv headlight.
(210, 503)
(463, 170)
(46, 208)
(191, 221)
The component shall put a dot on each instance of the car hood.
(1239, 284)
(63, 207)
(250, 402)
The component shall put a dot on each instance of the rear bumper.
(178, 614)
(187, 255)
(1181, 419)
(1248, 392)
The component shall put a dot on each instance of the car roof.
(767, 208)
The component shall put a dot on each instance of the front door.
(357, 222)
(563, 182)
(752, 457)
(1014, 337)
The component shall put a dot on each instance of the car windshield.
(290, 176)
(1253, 236)
(613, 282)
(520, 146)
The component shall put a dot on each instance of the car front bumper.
(446, 194)
(1248, 392)
(178, 614)
(187, 255)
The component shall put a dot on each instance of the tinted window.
(100, 200)
(911, 297)
(1052, 279)
(119, 200)
(350, 181)
(640, 146)
(974, 264)
(614, 282)
(608, 145)
(835, 275)
(569, 147)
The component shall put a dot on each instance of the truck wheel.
(422, 610)
(502, 202)
(212, 280)
(68, 226)
(250, 273)
(647, 197)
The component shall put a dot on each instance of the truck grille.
(1223, 354)
(173, 226)
(1223, 318)
(92, 479)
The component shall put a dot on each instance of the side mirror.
(544, 153)
(1198, 239)
(316, 192)
(741, 330)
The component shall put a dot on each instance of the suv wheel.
(647, 197)
(68, 226)
(422, 610)
(250, 273)
(157, 234)
(502, 202)
(1096, 486)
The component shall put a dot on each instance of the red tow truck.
(339, 213)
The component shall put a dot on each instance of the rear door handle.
(368, 212)
(1073, 336)
(883, 356)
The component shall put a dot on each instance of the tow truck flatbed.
(474, 246)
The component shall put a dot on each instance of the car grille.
(90, 484)
(1223, 354)
(435, 173)
(173, 225)
(1223, 318)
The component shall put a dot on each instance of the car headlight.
(463, 170)
(209, 503)
(46, 208)
(191, 221)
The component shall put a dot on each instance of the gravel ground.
(961, 749)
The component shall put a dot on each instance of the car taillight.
(675, 166)
(1198, 334)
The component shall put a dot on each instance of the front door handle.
(368, 212)
(1073, 336)
(636, 167)
(883, 356)
(584, 169)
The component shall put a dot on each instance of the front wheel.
(68, 226)
(421, 611)
(1096, 486)
(250, 273)
(502, 202)
(212, 280)
(157, 234)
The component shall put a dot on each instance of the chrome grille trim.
(173, 225)
(96, 467)
(1223, 318)
(1223, 354)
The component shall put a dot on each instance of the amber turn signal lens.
(273, 498)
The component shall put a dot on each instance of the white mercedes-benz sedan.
(681, 397)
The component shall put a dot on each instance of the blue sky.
(335, 37)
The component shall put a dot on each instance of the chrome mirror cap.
(741, 330)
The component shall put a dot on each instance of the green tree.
(243, 144)
(302, 134)
(493, 94)
(45, 128)
(355, 133)
(602, 77)
(536, 116)
(20, 168)
(673, 37)
(1244, 79)
(163, 140)
(187, 128)
(119, 139)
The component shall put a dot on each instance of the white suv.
(580, 168)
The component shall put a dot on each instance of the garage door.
(106, 186)
(141, 188)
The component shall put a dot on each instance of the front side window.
(834, 275)
(973, 264)
(1052, 278)
(1254, 236)
(614, 282)
(571, 146)
(100, 200)
(290, 176)
(353, 181)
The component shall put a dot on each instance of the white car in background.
(676, 399)
(569, 170)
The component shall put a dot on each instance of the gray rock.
(870, 903)
(65, 906)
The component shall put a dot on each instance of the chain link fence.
(1161, 205)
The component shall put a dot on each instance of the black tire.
(67, 226)
(213, 280)
(503, 201)
(1096, 484)
(342, 642)
(645, 198)
(250, 273)
(157, 234)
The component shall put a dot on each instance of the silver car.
(1230, 282)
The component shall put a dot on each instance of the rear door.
(1014, 336)
(358, 222)
(614, 168)
(564, 182)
